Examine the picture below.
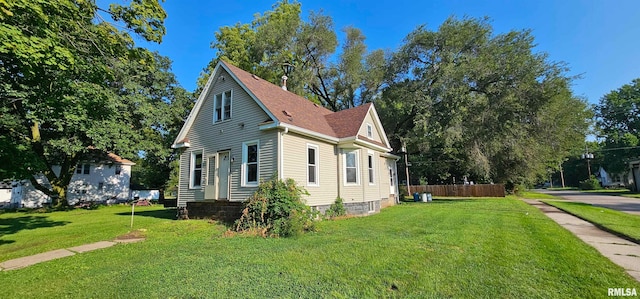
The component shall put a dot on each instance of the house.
(5, 194)
(634, 175)
(613, 180)
(99, 177)
(244, 130)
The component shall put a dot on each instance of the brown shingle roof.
(346, 123)
(295, 110)
(286, 106)
(99, 156)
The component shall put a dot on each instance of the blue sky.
(599, 40)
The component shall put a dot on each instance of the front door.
(223, 176)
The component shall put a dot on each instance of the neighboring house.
(100, 177)
(244, 130)
(613, 180)
(634, 175)
(5, 194)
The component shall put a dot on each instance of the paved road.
(624, 204)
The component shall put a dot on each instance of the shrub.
(336, 209)
(591, 183)
(276, 209)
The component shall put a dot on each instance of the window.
(250, 160)
(196, 170)
(369, 131)
(222, 106)
(312, 164)
(372, 206)
(100, 186)
(118, 169)
(227, 105)
(351, 167)
(370, 166)
(83, 168)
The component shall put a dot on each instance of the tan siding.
(246, 116)
(363, 129)
(371, 191)
(295, 167)
(383, 177)
(352, 193)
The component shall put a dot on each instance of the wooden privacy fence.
(478, 190)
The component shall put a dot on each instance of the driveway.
(624, 204)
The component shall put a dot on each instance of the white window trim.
(317, 165)
(344, 168)
(369, 131)
(245, 158)
(192, 162)
(372, 207)
(224, 100)
(371, 176)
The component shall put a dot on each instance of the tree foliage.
(471, 103)
(71, 80)
(618, 119)
(280, 35)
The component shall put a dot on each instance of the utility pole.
(406, 166)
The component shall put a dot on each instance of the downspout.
(337, 150)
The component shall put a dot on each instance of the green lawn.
(536, 195)
(620, 222)
(480, 248)
(23, 234)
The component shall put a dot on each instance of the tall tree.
(69, 84)
(618, 119)
(473, 104)
(280, 35)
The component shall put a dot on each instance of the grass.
(536, 195)
(562, 188)
(449, 248)
(23, 234)
(620, 222)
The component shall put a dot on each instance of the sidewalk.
(60, 253)
(624, 253)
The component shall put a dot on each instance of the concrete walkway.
(624, 253)
(60, 253)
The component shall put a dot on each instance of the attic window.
(222, 106)
(287, 113)
(369, 131)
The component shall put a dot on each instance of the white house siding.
(375, 132)
(210, 137)
(101, 184)
(295, 166)
(29, 197)
(5, 197)
(350, 192)
(383, 177)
